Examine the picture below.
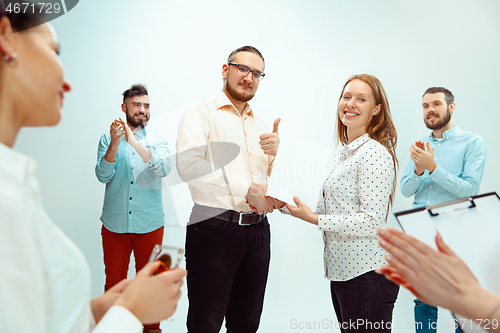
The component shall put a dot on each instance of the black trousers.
(227, 268)
(364, 303)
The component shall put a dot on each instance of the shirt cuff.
(438, 174)
(328, 223)
(118, 319)
(106, 166)
(285, 210)
(154, 161)
(415, 179)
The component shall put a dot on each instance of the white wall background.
(177, 47)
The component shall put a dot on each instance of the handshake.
(259, 202)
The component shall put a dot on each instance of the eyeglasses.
(258, 75)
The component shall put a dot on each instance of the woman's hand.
(101, 304)
(302, 211)
(439, 278)
(153, 298)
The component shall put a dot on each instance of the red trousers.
(117, 249)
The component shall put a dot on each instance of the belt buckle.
(239, 221)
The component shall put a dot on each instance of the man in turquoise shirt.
(132, 163)
(446, 165)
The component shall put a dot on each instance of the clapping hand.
(424, 160)
(437, 277)
(116, 132)
(126, 130)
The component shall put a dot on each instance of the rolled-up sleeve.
(159, 163)
(104, 170)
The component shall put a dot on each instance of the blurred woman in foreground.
(44, 278)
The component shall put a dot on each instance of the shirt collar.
(358, 142)
(140, 134)
(448, 134)
(222, 100)
(19, 165)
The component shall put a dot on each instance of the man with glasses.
(225, 153)
(446, 165)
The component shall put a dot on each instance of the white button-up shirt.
(44, 278)
(233, 140)
(353, 201)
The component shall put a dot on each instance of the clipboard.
(471, 228)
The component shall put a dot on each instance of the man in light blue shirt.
(132, 163)
(446, 165)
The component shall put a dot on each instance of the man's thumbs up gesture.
(269, 142)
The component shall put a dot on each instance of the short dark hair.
(135, 90)
(24, 19)
(448, 96)
(250, 49)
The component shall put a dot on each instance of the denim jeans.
(367, 299)
(426, 318)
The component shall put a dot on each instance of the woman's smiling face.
(357, 106)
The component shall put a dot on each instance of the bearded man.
(225, 153)
(132, 163)
(446, 165)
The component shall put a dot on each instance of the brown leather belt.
(229, 215)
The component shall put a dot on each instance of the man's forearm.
(111, 153)
(141, 150)
(458, 185)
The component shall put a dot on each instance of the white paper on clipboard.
(470, 226)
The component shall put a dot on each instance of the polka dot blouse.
(352, 202)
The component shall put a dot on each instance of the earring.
(10, 59)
